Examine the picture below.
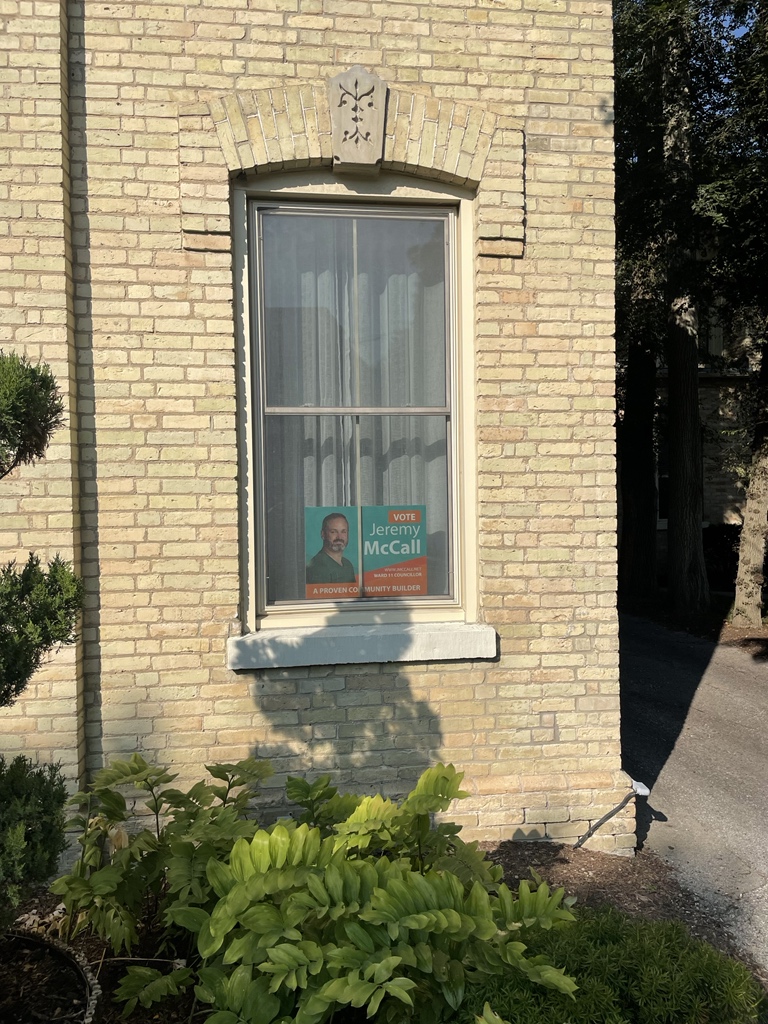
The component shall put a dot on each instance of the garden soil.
(642, 886)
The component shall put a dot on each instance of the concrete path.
(694, 724)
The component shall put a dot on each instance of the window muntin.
(353, 345)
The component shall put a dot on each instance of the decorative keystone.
(357, 102)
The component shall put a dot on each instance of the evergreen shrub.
(628, 971)
(38, 610)
(32, 835)
(31, 409)
(38, 607)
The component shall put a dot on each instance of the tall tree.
(640, 320)
(687, 575)
(737, 203)
(748, 601)
(658, 251)
(692, 205)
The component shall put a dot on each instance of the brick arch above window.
(266, 131)
(270, 130)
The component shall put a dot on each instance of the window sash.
(350, 463)
(359, 413)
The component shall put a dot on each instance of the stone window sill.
(351, 645)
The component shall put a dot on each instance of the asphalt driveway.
(694, 720)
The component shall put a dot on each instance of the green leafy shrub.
(298, 921)
(126, 882)
(376, 825)
(310, 929)
(629, 971)
(32, 836)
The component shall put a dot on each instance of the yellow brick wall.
(140, 313)
(39, 504)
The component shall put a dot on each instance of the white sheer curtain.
(354, 318)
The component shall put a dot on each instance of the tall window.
(352, 347)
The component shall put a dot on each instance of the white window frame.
(368, 630)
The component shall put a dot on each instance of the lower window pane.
(356, 507)
(404, 464)
(309, 462)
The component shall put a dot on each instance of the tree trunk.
(637, 554)
(748, 603)
(688, 586)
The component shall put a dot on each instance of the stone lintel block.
(357, 103)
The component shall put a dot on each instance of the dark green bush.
(31, 409)
(38, 610)
(628, 971)
(32, 802)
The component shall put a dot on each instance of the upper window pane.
(354, 310)
(307, 274)
(401, 318)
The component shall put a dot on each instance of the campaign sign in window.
(389, 542)
(394, 551)
(332, 552)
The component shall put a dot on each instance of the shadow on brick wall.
(90, 713)
(361, 723)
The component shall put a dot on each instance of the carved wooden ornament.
(357, 102)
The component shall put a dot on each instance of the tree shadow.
(660, 672)
(756, 647)
(362, 723)
(692, 715)
(645, 815)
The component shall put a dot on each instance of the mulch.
(643, 886)
(38, 984)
